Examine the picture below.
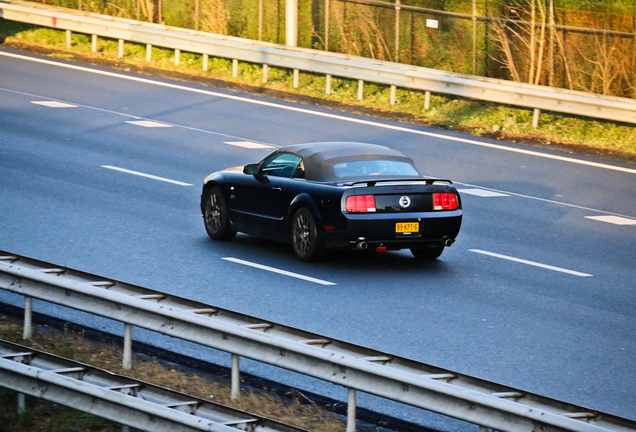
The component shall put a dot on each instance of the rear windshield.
(365, 168)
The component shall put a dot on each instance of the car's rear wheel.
(215, 215)
(308, 246)
(427, 252)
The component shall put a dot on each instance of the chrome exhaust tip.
(362, 243)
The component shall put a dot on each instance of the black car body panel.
(263, 198)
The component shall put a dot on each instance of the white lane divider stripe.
(549, 201)
(325, 114)
(613, 220)
(482, 193)
(275, 270)
(140, 174)
(148, 124)
(249, 145)
(532, 263)
(54, 104)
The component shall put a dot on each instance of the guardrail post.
(296, 77)
(68, 39)
(351, 411)
(235, 68)
(393, 94)
(27, 331)
(360, 89)
(535, 118)
(120, 51)
(21, 403)
(427, 100)
(265, 71)
(328, 85)
(128, 330)
(206, 58)
(125, 428)
(94, 43)
(235, 377)
(148, 53)
(177, 57)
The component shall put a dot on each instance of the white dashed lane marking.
(54, 104)
(275, 270)
(481, 193)
(148, 124)
(140, 174)
(531, 263)
(249, 145)
(612, 218)
(616, 220)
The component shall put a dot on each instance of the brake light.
(444, 201)
(361, 203)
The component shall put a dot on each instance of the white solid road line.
(275, 270)
(140, 174)
(323, 114)
(532, 263)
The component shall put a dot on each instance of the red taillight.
(360, 203)
(444, 201)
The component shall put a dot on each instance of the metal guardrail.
(121, 399)
(477, 401)
(360, 68)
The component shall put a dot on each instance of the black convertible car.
(342, 195)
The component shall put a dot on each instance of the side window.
(282, 165)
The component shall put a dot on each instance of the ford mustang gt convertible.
(342, 195)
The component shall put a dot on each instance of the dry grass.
(106, 356)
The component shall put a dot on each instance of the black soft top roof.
(319, 158)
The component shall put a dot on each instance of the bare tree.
(522, 42)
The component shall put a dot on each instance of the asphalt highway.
(101, 170)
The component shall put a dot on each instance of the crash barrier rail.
(332, 64)
(121, 399)
(357, 368)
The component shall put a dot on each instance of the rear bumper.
(379, 230)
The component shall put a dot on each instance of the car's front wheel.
(215, 215)
(427, 252)
(308, 246)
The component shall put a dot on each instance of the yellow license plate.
(407, 227)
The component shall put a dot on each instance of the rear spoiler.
(429, 181)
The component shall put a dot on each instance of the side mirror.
(251, 169)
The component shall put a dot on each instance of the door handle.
(276, 188)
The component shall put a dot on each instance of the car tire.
(427, 252)
(306, 241)
(215, 215)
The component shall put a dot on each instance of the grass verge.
(45, 416)
(573, 133)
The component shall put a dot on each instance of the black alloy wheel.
(427, 252)
(308, 246)
(215, 216)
